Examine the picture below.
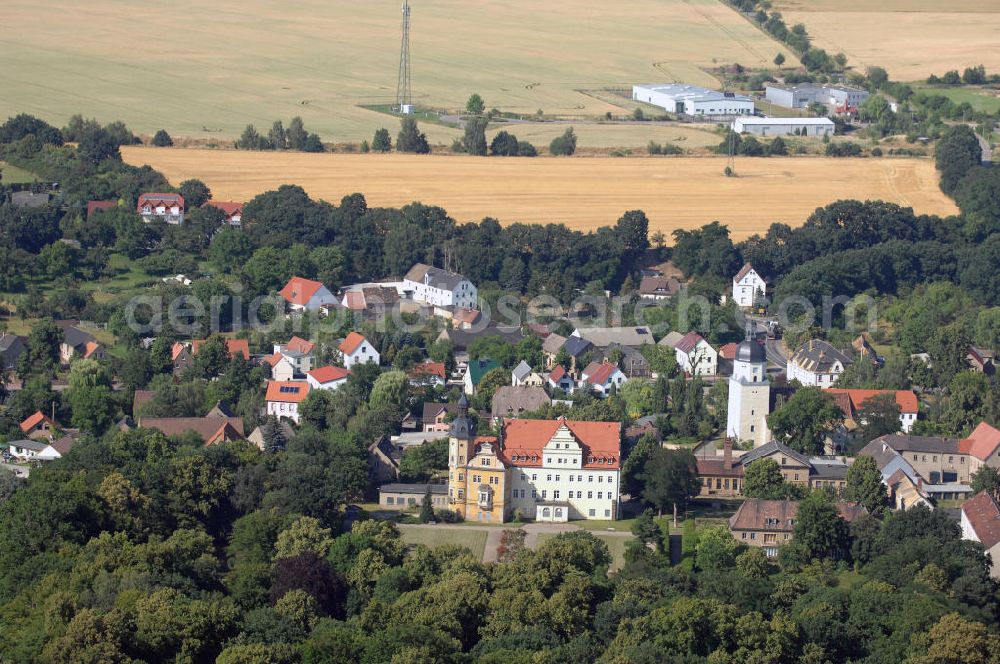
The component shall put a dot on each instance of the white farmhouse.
(283, 398)
(327, 378)
(355, 349)
(307, 295)
(696, 356)
(168, 207)
(440, 288)
(603, 377)
(816, 363)
(748, 287)
(981, 523)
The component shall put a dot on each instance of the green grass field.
(474, 540)
(227, 63)
(981, 99)
(10, 174)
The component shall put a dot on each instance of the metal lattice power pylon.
(403, 96)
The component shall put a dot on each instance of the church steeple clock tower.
(749, 392)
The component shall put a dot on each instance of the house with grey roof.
(441, 288)
(817, 363)
(523, 374)
(11, 348)
(602, 337)
(511, 401)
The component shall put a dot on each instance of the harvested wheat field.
(583, 193)
(910, 38)
(206, 69)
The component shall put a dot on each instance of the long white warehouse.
(784, 126)
(693, 100)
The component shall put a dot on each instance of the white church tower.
(749, 393)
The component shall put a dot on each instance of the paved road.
(775, 354)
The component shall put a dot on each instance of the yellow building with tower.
(547, 470)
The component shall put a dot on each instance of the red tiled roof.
(234, 346)
(465, 315)
(754, 514)
(351, 343)
(743, 272)
(328, 374)
(527, 438)
(429, 369)
(300, 344)
(93, 206)
(983, 441)
(598, 373)
(157, 200)
(273, 359)
(206, 427)
(229, 207)
(176, 350)
(983, 514)
(905, 399)
(688, 342)
(300, 291)
(556, 374)
(728, 352)
(717, 467)
(288, 391)
(90, 348)
(34, 420)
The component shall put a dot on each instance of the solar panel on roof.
(288, 389)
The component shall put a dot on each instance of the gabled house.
(232, 210)
(522, 374)
(428, 374)
(658, 288)
(981, 360)
(281, 367)
(632, 363)
(219, 426)
(981, 523)
(435, 415)
(602, 337)
(460, 340)
(283, 398)
(561, 379)
(260, 434)
(983, 445)
(11, 348)
(307, 295)
(77, 343)
(477, 369)
(298, 352)
(863, 349)
(234, 347)
(383, 466)
(355, 349)
(695, 356)
(372, 300)
(550, 348)
(464, 318)
(166, 207)
(769, 524)
(852, 401)
(327, 378)
(510, 401)
(602, 377)
(181, 357)
(39, 426)
(817, 363)
(576, 348)
(439, 288)
(32, 450)
(749, 287)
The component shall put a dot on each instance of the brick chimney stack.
(727, 453)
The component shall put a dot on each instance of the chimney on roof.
(727, 453)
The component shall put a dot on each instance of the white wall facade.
(464, 294)
(749, 403)
(364, 353)
(812, 378)
(744, 290)
(703, 360)
(283, 409)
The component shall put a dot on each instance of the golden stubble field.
(206, 69)
(910, 38)
(583, 193)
